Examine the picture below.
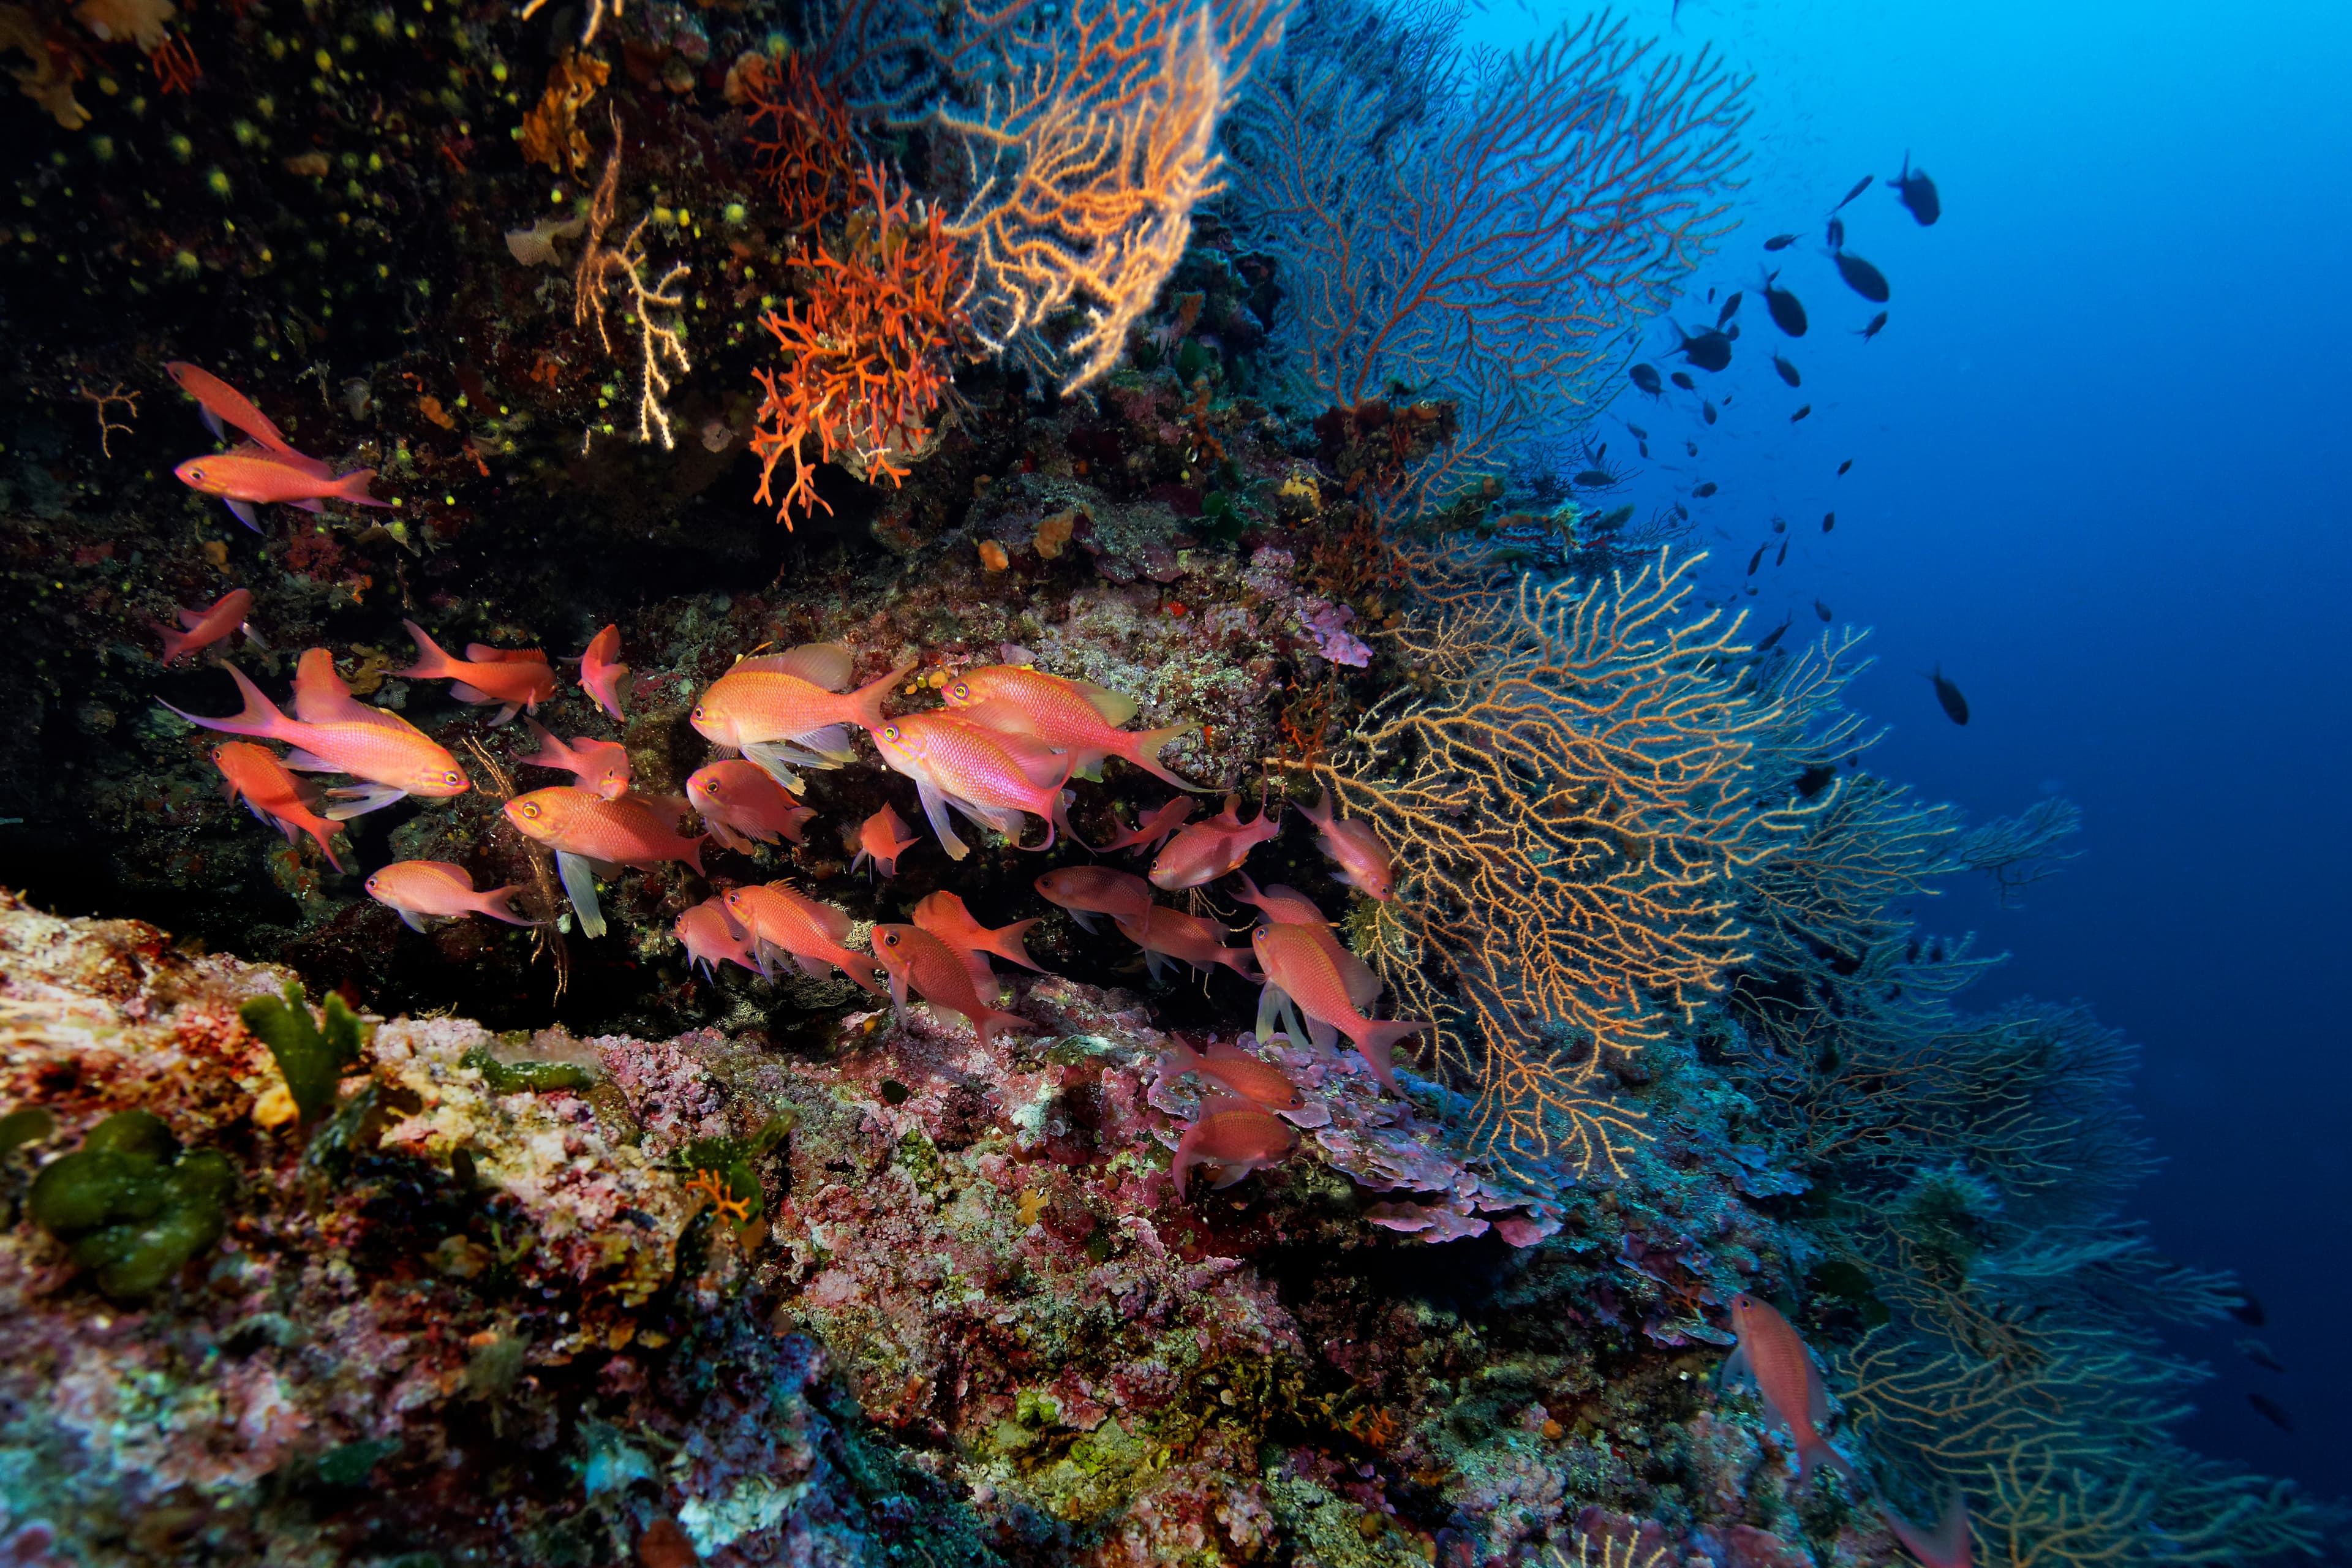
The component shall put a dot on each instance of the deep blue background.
(2099, 476)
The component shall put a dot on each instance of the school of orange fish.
(1004, 748)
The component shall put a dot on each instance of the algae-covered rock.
(131, 1207)
(526, 1077)
(312, 1057)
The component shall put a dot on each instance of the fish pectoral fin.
(1270, 1003)
(358, 801)
(815, 968)
(505, 715)
(412, 920)
(831, 743)
(579, 887)
(465, 693)
(935, 812)
(1736, 1371)
(243, 511)
(774, 761)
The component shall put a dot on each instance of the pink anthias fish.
(741, 804)
(788, 921)
(515, 679)
(222, 404)
(1240, 1071)
(787, 710)
(591, 835)
(256, 776)
(1164, 934)
(1302, 977)
(600, 671)
(1204, 851)
(993, 778)
(1074, 716)
(1950, 1545)
(1089, 891)
(1772, 1357)
(335, 732)
(1150, 830)
(250, 477)
(881, 839)
(1288, 906)
(420, 888)
(599, 765)
(1365, 863)
(920, 963)
(711, 937)
(943, 915)
(199, 629)
(1236, 1135)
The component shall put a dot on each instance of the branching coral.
(867, 354)
(661, 345)
(1573, 795)
(1495, 248)
(798, 130)
(1093, 140)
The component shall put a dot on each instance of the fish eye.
(889, 732)
(196, 473)
(453, 777)
(530, 809)
(697, 715)
(890, 939)
(962, 692)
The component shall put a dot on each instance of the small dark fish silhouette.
(1732, 332)
(1710, 298)
(1690, 445)
(1801, 413)
(1704, 488)
(1788, 311)
(1682, 512)
(1707, 410)
(1777, 632)
(1787, 371)
(1828, 521)
(1758, 559)
(2249, 1310)
(2272, 1411)
(1843, 466)
(1781, 242)
(2260, 1355)
(1726, 400)
(1645, 376)
(1781, 559)
(1835, 235)
(1862, 278)
(1645, 447)
(1730, 306)
(1709, 350)
(1595, 480)
(1779, 524)
(1918, 193)
(1948, 698)
(1616, 517)
(1821, 609)
(1682, 378)
(1639, 433)
(1815, 779)
(1861, 186)
(1877, 325)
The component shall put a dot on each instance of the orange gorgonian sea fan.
(865, 355)
(798, 132)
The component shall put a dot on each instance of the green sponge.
(526, 1077)
(312, 1058)
(131, 1206)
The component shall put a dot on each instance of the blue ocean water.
(2098, 478)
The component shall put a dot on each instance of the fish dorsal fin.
(192, 618)
(483, 653)
(1117, 708)
(942, 908)
(834, 923)
(1224, 1102)
(821, 664)
(321, 698)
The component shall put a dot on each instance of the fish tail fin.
(1816, 1452)
(860, 967)
(1005, 942)
(1143, 751)
(353, 488)
(990, 1020)
(323, 831)
(551, 752)
(259, 717)
(1179, 1057)
(494, 904)
(1320, 813)
(432, 661)
(693, 856)
(1379, 1046)
(176, 643)
(866, 703)
(1242, 962)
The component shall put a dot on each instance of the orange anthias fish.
(222, 402)
(1948, 1545)
(202, 628)
(1205, 852)
(1236, 1135)
(274, 795)
(1364, 862)
(739, 803)
(1300, 973)
(1086, 890)
(1774, 1360)
(711, 937)
(1289, 907)
(787, 710)
(790, 922)
(421, 887)
(250, 477)
(943, 915)
(515, 679)
(1251, 1077)
(881, 839)
(336, 732)
(599, 765)
(590, 835)
(1074, 716)
(1164, 933)
(600, 673)
(991, 777)
(1151, 829)
(920, 962)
